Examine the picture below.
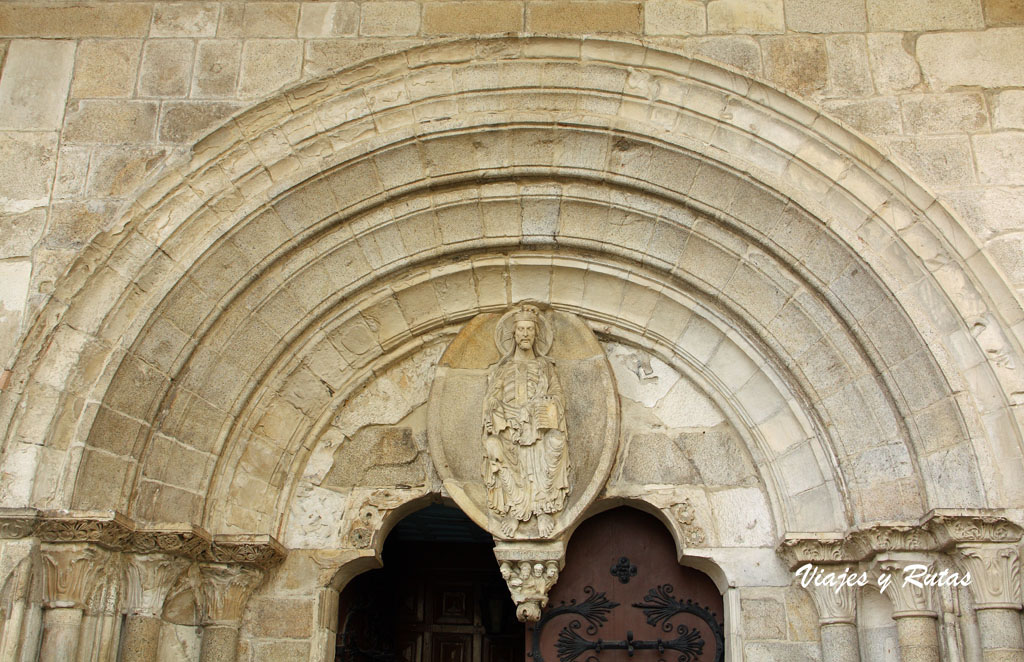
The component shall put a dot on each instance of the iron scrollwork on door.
(659, 606)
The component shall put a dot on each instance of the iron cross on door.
(624, 597)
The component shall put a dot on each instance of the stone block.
(389, 18)
(27, 163)
(920, 15)
(72, 224)
(849, 71)
(799, 64)
(19, 232)
(270, 19)
(186, 122)
(280, 651)
(96, 20)
(974, 59)
(763, 618)
(117, 171)
(937, 161)
(101, 480)
(1000, 157)
(583, 17)
(782, 652)
(1008, 253)
(34, 87)
(325, 56)
(267, 65)
(870, 116)
(944, 113)
(893, 66)
(675, 17)
(740, 52)
(1008, 112)
(990, 210)
(14, 281)
(328, 19)
(472, 17)
(746, 16)
(217, 64)
(166, 68)
(1000, 13)
(106, 68)
(826, 16)
(103, 121)
(184, 19)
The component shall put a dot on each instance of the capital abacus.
(914, 574)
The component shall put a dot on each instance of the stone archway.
(326, 243)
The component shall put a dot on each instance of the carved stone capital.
(225, 590)
(150, 577)
(815, 548)
(834, 604)
(891, 538)
(907, 598)
(950, 528)
(530, 570)
(73, 572)
(995, 573)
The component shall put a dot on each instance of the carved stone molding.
(685, 515)
(908, 600)
(72, 573)
(185, 540)
(107, 529)
(530, 570)
(995, 574)
(17, 522)
(261, 551)
(951, 528)
(815, 548)
(365, 516)
(225, 590)
(891, 538)
(150, 577)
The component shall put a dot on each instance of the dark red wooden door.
(623, 596)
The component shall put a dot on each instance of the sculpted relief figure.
(526, 467)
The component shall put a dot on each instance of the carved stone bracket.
(225, 590)
(530, 570)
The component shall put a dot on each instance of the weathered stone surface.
(324, 56)
(1003, 12)
(117, 171)
(925, 15)
(20, 231)
(1000, 157)
(268, 65)
(849, 71)
(1009, 110)
(989, 210)
(746, 17)
(185, 19)
(27, 162)
(270, 19)
(72, 171)
(35, 82)
(14, 281)
(740, 52)
(972, 58)
(672, 17)
(582, 17)
(472, 17)
(871, 116)
(186, 122)
(217, 65)
(389, 18)
(893, 66)
(100, 20)
(799, 64)
(166, 68)
(110, 121)
(938, 161)
(827, 16)
(945, 113)
(328, 19)
(106, 68)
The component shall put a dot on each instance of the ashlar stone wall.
(95, 98)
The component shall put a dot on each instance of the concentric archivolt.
(788, 266)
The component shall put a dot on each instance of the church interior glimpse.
(489, 331)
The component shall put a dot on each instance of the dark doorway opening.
(438, 598)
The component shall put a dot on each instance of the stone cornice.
(952, 528)
(115, 532)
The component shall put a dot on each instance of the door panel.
(623, 596)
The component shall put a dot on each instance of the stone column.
(150, 577)
(225, 589)
(837, 616)
(996, 589)
(20, 633)
(914, 609)
(71, 572)
(101, 625)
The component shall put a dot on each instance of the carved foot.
(545, 525)
(509, 526)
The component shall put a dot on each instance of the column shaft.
(1001, 639)
(220, 643)
(918, 638)
(839, 643)
(61, 630)
(141, 638)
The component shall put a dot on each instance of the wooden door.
(432, 602)
(623, 596)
